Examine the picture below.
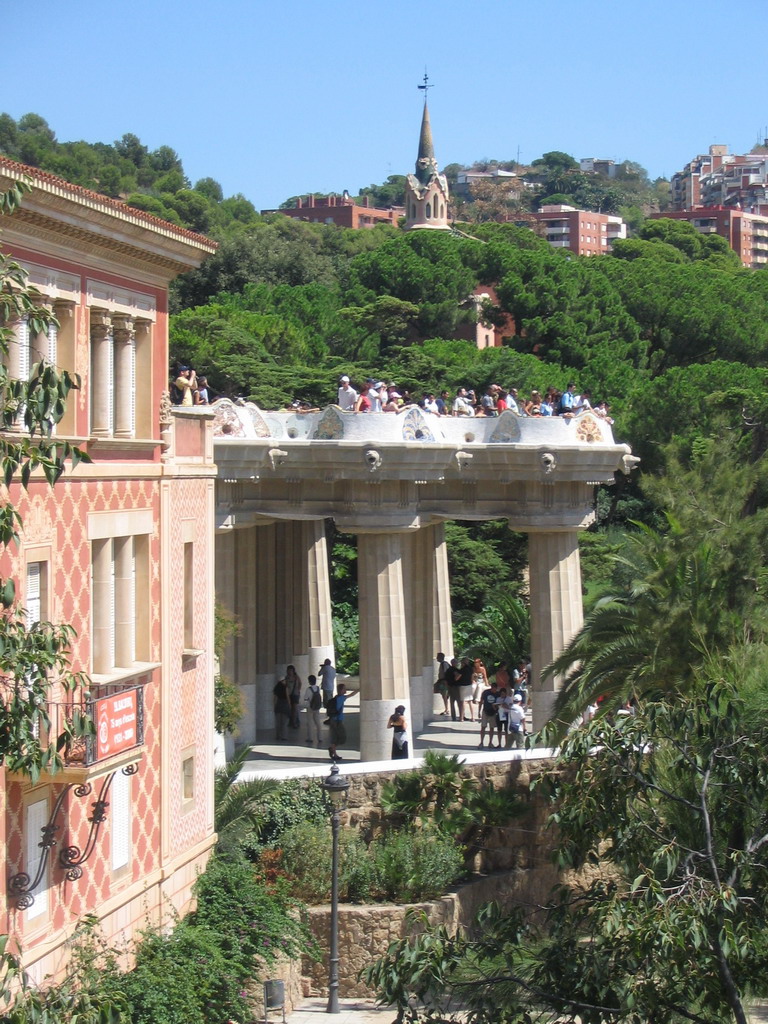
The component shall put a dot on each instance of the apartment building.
(580, 231)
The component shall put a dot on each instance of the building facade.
(746, 233)
(722, 178)
(580, 231)
(121, 549)
(342, 211)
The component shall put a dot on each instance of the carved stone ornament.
(416, 427)
(330, 426)
(548, 463)
(227, 422)
(588, 429)
(372, 459)
(507, 430)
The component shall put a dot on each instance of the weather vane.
(426, 84)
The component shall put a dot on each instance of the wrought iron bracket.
(20, 886)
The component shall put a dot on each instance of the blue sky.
(277, 98)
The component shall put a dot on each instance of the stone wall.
(517, 857)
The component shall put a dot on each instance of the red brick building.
(580, 231)
(746, 233)
(340, 210)
(122, 549)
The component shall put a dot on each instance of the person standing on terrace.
(347, 395)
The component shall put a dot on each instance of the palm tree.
(237, 805)
(653, 637)
(501, 632)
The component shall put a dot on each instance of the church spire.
(426, 191)
(426, 147)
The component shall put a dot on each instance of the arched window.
(429, 211)
(442, 211)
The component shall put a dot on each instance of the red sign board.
(116, 723)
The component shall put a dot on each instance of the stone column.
(383, 650)
(283, 597)
(124, 375)
(102, 598)
(442, 621)
(556, 610)
(101, 374)
(418, 573)
(245, 643)
(319, 592)
(265, 570)
(226, 592)
(302, 537)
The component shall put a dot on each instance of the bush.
(306, 852)
(410, 866)
(290, 804)
(405, 866)
(184, 978)
(250, 921)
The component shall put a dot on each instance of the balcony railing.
(108, 721)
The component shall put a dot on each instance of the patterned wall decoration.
(60, 518)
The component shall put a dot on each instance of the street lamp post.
(336, 786)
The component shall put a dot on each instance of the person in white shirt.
(347, 395)
(461, 404)
(516, 723)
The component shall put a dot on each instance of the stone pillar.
(264, 570)
(225, 578)
(383, 650)
(319, 592)
(100, 383)
(283, 597)
(124, 375)
(556, 610)
(442, 622)
(101, 598)
(418, 573)
(302, 537)
(246, 584)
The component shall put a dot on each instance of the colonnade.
(274, 575)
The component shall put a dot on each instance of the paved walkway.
(351, 1011)
(295, 757)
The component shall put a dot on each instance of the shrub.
(250, 921)
(404, 866)
(289, 804)
(184, 978)
(412, 865)
(306, 852)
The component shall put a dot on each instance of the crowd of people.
(498, 704)
(378, 396)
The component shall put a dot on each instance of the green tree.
(660, 822)
(29, 653)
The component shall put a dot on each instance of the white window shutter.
(34, 595)
(120, 795)
(53, 339)
(37, 818)
(133, 386)
(22, 334)
(112, 610)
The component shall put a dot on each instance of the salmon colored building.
(122, 549)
